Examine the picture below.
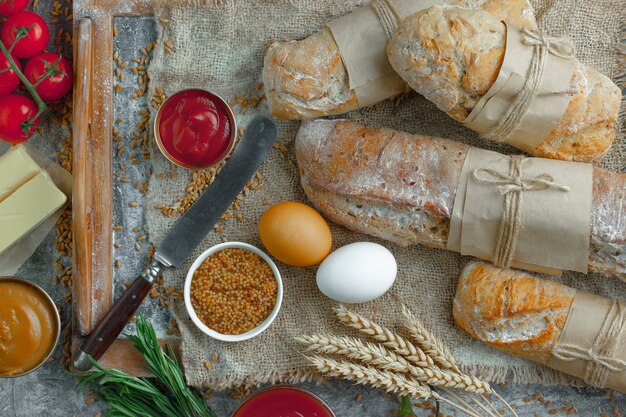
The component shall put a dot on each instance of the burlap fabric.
(221, 47)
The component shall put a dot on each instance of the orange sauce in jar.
(28, 327)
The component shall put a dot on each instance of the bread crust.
(306, 79)
(512, 310)
(374, 180)
(401, 187)
(452, 56)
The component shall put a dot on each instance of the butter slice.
(16, 168)
(28, 206)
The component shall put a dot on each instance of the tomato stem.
(51, 70)
(20, 33)
(41, 105)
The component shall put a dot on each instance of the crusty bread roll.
(307, 78)
(452, 56)
(512, 310)
(401, 187)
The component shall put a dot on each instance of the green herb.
(129, 396)
(406, 409)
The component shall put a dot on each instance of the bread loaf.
(578, 333)
(307, 78)
(401, 187)
(452, 56)
(512, 310)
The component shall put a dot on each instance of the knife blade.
(189, 231)
(186, 234)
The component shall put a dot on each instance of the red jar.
(283, 401)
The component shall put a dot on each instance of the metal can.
(56, 323)
(161, 133)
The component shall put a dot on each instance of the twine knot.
(512, 187)
(560, 47)
(512, 183)
(573, 352)
(542, 46)
(600, 356)
(388, 15)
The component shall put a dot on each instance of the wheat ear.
(389, 339)
(440, 353)
(366, 375)
(431, 345)
(389, 381)
(377, 355)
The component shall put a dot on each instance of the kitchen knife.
(186, 234)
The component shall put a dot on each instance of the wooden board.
(92, 162)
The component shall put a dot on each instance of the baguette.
(306, 79)
(452, 57)
(401, 187)
(512, 310)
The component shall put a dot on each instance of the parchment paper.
(546, 109)
(362, 43)
(16, 255)
(584, 321)
(556, 224)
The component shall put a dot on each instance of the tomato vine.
(52, 70)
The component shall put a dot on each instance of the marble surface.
(51, 391)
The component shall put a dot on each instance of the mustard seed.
(233, 291)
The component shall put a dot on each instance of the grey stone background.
(50, 391)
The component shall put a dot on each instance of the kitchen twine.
(599, 356)
(388, 15)
(512, 187)
(542, 45)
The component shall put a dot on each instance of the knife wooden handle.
(112, 324)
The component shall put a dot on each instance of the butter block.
(27, 207)
(16, 168)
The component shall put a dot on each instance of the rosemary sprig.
(129, 396)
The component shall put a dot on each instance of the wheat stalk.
(389, 339)
(377, 355)
(431, 345)
(389, 381)
(366, 375)
(396, 364)
(438, 350)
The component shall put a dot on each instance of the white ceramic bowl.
(232, 337)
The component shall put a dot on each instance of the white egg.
(357, 273)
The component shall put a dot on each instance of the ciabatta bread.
(452, 57)
(401, 187)
(307, 78)
(512, 310)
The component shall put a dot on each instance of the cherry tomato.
(15, 112)
(9, 80)
(57, 83)
(33, 32)
(8, 7)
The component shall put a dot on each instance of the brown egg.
(295, 234)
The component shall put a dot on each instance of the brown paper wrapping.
(584, 323)
(362, 42)
(556, 224)
(545, 110)
(12, 258)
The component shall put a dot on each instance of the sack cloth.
(220, 46)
